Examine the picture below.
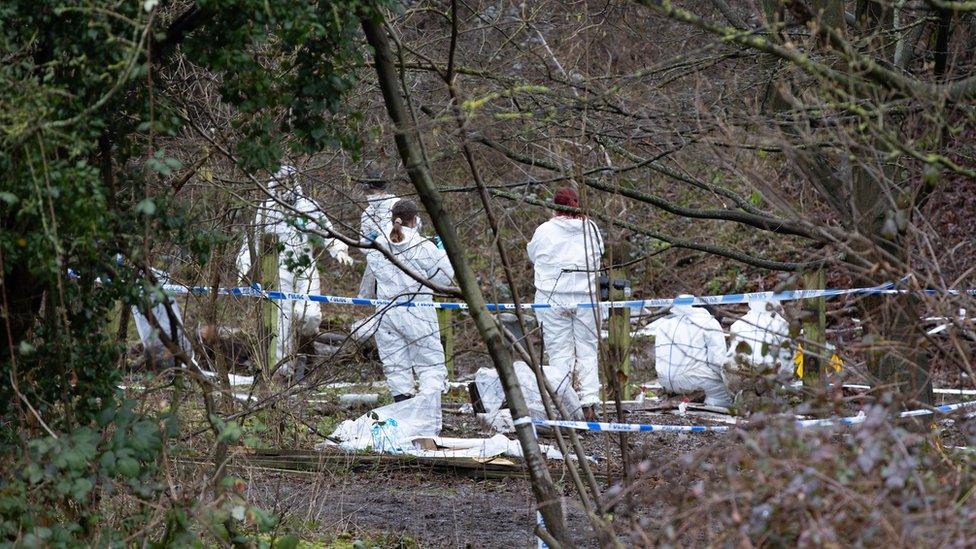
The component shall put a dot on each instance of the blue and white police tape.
(627, 427)
(861, 418)
(724, 299)
(645, 427)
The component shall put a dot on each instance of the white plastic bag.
(492, 394)
(151, 343)
(415, 417)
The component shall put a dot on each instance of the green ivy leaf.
(146, 206)
(127, 467)
(286, 542)
(80, 488)
(8, 197)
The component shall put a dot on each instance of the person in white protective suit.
(375, 224)
(289, 215)
(566, 252)
(759, 347)
(761, 338)
(689, 353)
(152, 345)
(408, 338)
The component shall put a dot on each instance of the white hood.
(375, 222)
(422, 255)
(689, 343)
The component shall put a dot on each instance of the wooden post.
(268, 308)
(116, 314)
(445, 319)
(814, 333)
(618, 339)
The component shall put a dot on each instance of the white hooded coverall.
(689, 351)
(377, 220)
(374, 225)
(766, 333)
(295, 317)
(566, 253)
(151, 343)
(408, 338)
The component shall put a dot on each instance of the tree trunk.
(268, 269)
(407, 142)
(893, 336)
(830, 13)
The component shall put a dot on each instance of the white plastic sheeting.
(235, 380)
(400, 427)
(416, 417)
(149, 337)
(151, 343)
(492, 395)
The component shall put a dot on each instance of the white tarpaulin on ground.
(413, 427)
(415, 417)
(492, 395)
(233, 378)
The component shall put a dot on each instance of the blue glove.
(439, 243)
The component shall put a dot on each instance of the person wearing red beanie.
(566, 252)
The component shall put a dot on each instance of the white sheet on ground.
(492, 394)
(415, 419)
(234, 378)
(419, 416)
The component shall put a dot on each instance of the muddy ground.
(431, 510)
(438, 509)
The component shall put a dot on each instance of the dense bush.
(87, 101)
(880, 483)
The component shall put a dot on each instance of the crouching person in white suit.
(408, 338)
(290, 217)
(689, 353)
(759, 347)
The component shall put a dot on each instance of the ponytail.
(396, 234)
(404, 212)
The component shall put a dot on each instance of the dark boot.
(401, 398)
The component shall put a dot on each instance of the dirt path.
(435, 511)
